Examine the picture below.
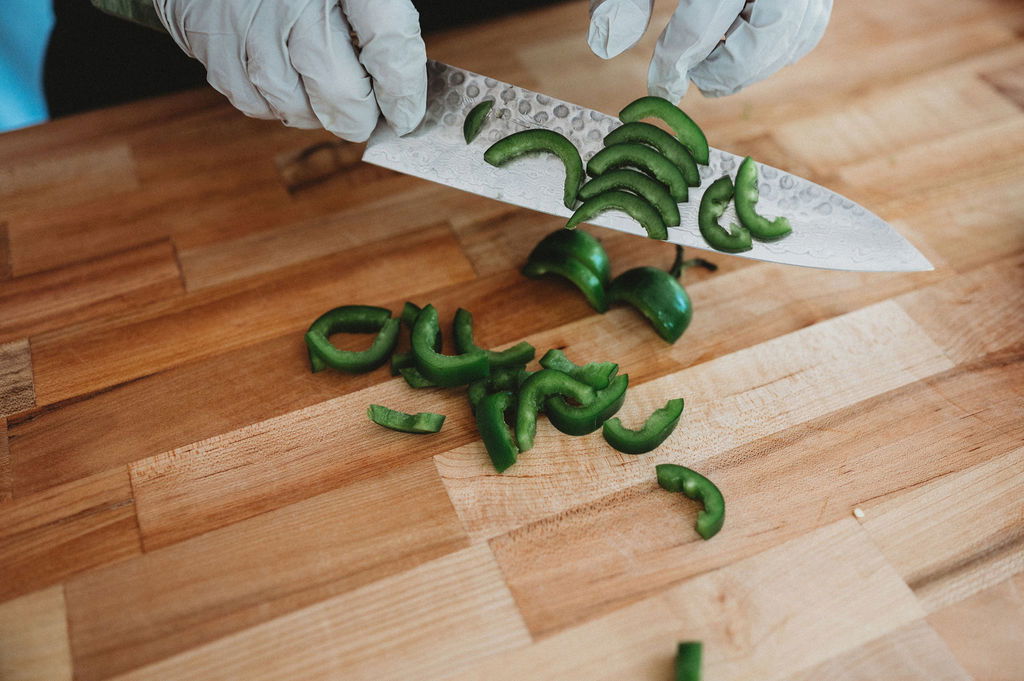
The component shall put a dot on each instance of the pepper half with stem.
(712, 206)
(422, 423)
(687, 131)
(352, 319)
(444, 370)
(537, 388)
(747, 194)
(656, 429)
(520, 353)
(693, 485)
(540, 140)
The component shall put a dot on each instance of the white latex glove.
(294, 60)
(760, 37)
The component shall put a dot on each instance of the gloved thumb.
(617, 25)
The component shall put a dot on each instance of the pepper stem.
(679, 265)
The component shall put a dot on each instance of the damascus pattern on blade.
(829, 230)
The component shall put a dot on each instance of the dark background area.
(95, 60)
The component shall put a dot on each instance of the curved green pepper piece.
(658, 296)
(529, 141)
(351, 319)
(643, 158)
(746, 201)
(712, 205)
(424, 422)
(520, 353)
(575, 271)
(537, 388)
(638, 183)
(588, 417)
(636, 207)
(695, 486)
(656, 429)
(578, 245)
(502, 379)
(475, 119)
(687, 131)
(653, 136)
(443, 370)
(497, 436)
(414, 379)
(595, 374)
(688, 661)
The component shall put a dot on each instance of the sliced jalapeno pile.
(595, 374)
(537, 388)
(541, 140)
(651, 190)
(644, 158)
(443, 370)
(712, 206)
(656, 429)
(475, 119)
(746, 201)
(695, 486)
(688, 661)
(658, 296)
(521, 353)
(688, 132)
(631, 204)
(424, 422)
(576, 256)
(352, 319)
(653, 136)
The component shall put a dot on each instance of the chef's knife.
(829, 230)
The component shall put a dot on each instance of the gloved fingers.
(777, 33)
(269, 68)
(617, 25)
(339, 90)
(692, 33)
(394, 55)
(222, 52)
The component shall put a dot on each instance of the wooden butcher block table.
(180, 498)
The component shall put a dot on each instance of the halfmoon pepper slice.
(687, 131)
(653, 136)
(595, 374)
(444, 370)
(656, 429)
(641, 185)
(712, 205)
(637, 207)
(644, 158)
(540, 140)
(351, 319)
(588, 417)
(494, 431)
(422, 423)
(520, 353)
(537, 388)
(695, 486)
(747, 194)
(657, 295)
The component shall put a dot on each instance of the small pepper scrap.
(352, 319)
(422, 423)
(443, 370)
(760, 228)
(656, 429)
(576, 256)
(695, 486)
(530, 141)
(688, 661)
(475, 119)
(712, 205)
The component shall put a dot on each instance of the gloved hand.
(294, 60)
(761, 36)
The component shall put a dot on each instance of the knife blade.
(829, 230)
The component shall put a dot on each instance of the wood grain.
(34, 638)
(47, 537)
(17, 390)
(6, 478)
(233, 578)
(427, 622)
(986, 631)
(978, 513)
(755, 617)
(58, 298)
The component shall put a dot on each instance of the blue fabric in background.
(25, 27)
